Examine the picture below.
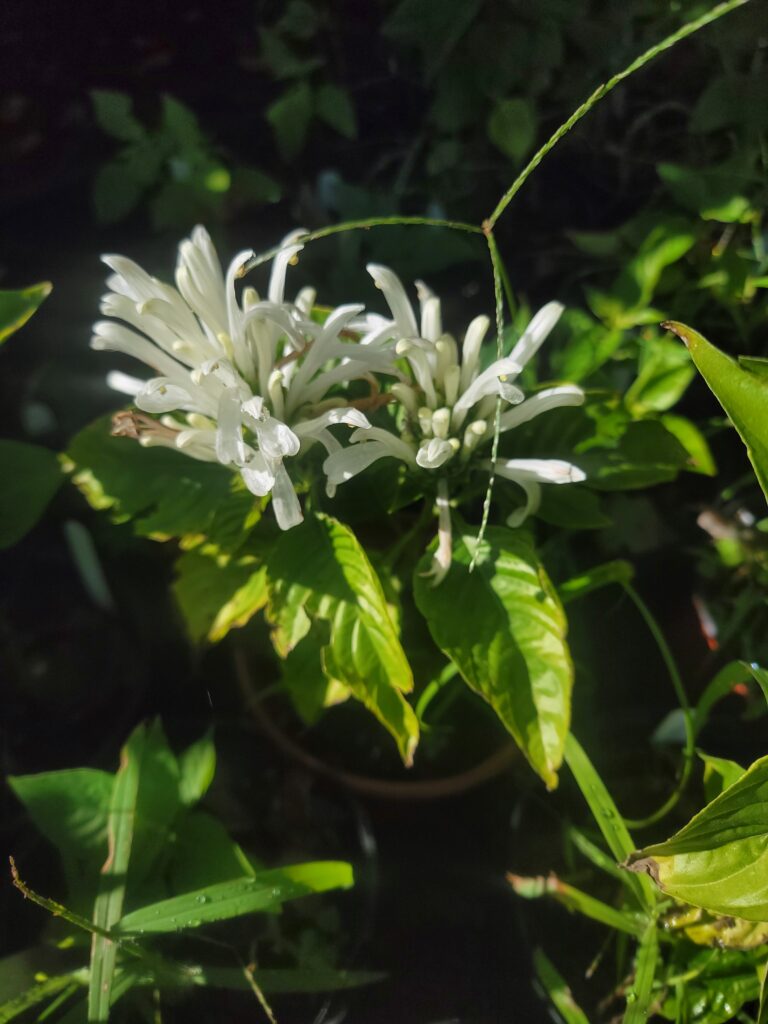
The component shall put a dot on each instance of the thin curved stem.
(603, 90)
(363, 225)
(682, 697)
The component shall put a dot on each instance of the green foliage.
(318, 572)
(31, 477)
(502, 625)
(717, 860)
(743, 395)
(16, 307)
(512, 127)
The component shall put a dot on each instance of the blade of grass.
(605, 812)
(556, 988)
(639, 995)
(108, 908)
(598, 857)
(603, 90)
(581, 902)
(32, 996)
(264, 891)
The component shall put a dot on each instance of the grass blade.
(265, 891)
(581, 902)
(557, 989)
(639, 995)
(108, 908)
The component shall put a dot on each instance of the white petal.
(289, 248)
(431, 320)
(434, 453)
(276, 439)
(470, 349)
(124, 383)
(532, 501)
(257, 475)
(343, 465)
(352, 417)
(547, 471)
(397, 447)
(285, 501)
(542, 401)
(489, 383)
(229, 433)
(536, 332)
(397, 300)
(161, 395)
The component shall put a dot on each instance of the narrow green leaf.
(719, 774)
(640, 992)
(197, 767)
(719, 860)
(700, 458)
(42, 990)
(762, 1013)
(604, 811)
(742, 394)
(266, 890)
(108, 907)
(504, 628)
(574, 899)
(16, 307)
(557, 989)
(31, 476)
(319, 572)
(593, 579)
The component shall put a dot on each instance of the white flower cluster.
(251, 383)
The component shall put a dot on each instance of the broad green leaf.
(197, 767)
(216, 593)
(181, 124)
(640, 992)
(742, 394)
(719, 860)
(512, 127)
(531, 888)
(263, 891)
(158, 804)
(31, 476)
(108, 908)
(114, 115)
(70, 808)
(755, 364)
(16, 307)
(164, 493)
(718, 984)
(504, 628)
(319, 572)
(289, 116)
(557, 989)
(588, 345)
(645, 454)
(715, 193)
(303, 677)
(572, 508)
(334, 106)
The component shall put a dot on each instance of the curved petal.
(536, 332)
(402, 311)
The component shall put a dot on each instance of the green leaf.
(216, 594)
(263, 891)
(108, 908)
(665, 371)
(641, 991)
(574, 899)
(742, 394)
(712, 192)
(557, 989)
(31, 476)
(116, 191)
(762, 1013)
(755, 364)
(719, 774)
(319, 571)
(700, 458)
(202, 853)
(16, 307)
(114, 115)
(46, 988)
(572, 508)
(289, 116)
(252, 186)
(588, 345)
(512, 127)
(619, 571)
(719, 860)
(646, 453)
(181, 124)
(334, 105)
(723, 684)
(197, 767)
(70, 808)
(282, 60)
(165, 493)
(504, 628)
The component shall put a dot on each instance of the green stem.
(603, 90)
(677, 683)
(499, 302)
(363, 225)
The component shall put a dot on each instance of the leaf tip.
(642, 865)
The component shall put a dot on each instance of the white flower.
(232, 375)
(449, 403)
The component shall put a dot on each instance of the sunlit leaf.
(719, 860)
(742, 394)
(504, 628)
(216, 594)
(16, 307)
